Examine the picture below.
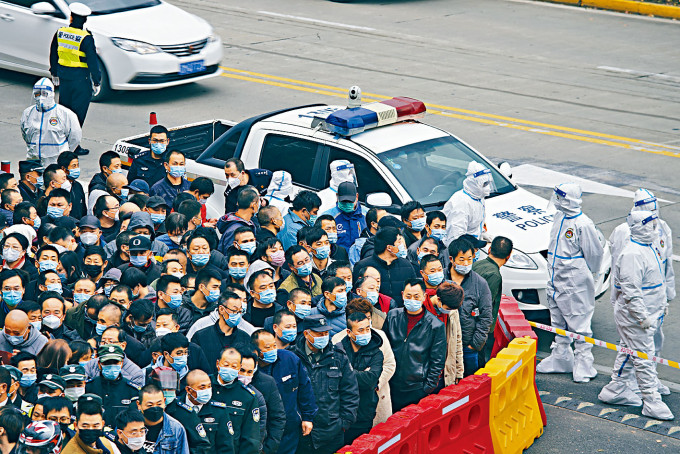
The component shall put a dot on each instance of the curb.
(627, 6)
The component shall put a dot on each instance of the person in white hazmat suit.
(574, 253)
(280, 192)
(341, 171)
(640, 300)
(644, 200)
(465, 210)
(48, 128)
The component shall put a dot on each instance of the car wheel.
(106, 90)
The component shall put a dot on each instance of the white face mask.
(244, 379)
(135, 443)
(73, 394)
(233, 182)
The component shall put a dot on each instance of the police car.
(396, 157)
(142, 44)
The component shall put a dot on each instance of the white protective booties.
(560, 361)
(655, 408)
(616, 392)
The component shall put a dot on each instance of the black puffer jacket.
(475, 328)
(392, 276)
(420, 355)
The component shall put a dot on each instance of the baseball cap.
(156, 201)
(90, 221)
(53, 381)
(139, 186)
(347, 192)
(476, 243)
(317, 323)
(140, 243)
(110, 352)
(73, 372)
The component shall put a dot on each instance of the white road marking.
(676, 257)
(317, 21)
(634, 72)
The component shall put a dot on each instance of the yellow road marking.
(447, 111)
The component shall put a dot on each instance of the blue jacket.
(293, 223)
(172, 439)
(336, 319)
(295, 388)
(168, 191)
(349, 225)
(228, 224)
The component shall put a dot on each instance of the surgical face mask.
(117, 171)
(346, 207)
(441, 311)
(348, 284)
(288, 335)
(270, 356)
(73, 394)
(157, 218)
(463, 269)
(89, 238)
(44, 101)
(302, 310)
(169, 395)
(124, 193)
(139, 260)
(401, 253)
(55, 212)
(203, 396)
(321, 342)
(278, 258)
(175, 301)
(362, 339)
(61, 249)
(178, 275)
(435, 278)
(179, 362)
(47, 265)
(162, 331)
(74, 173)
(312, 219)
(237, 272)
(227, 374)
(80, 298)
(212, 296)
(111, 371)
(203, 201)
(267, 296)
(54, 288)
(305, 270)
(332, 237)
(108, 289)
(248, 247)
(421, 254)
(322, 253)
(233, 182)
(200, 259)
(233, 320)
(372, 297)
(158, 148)
(36, 223)
(418, 224)
(52, 321)
(136, 443)
(438, 234)
(27, 380)
(340, 300)
(36, 324)
(245, 379)
(177, 171)
(66, 185)
(139, 329)
(413, 305)
(12, 297)
(99, 329)
(11, 255)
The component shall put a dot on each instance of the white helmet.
(43, 94)
(79, 9)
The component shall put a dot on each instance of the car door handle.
(7, 17)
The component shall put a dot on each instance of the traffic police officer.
(148, 164)
(240, 403)
(116, 392)
(74, 65)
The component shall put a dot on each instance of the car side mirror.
(43, 8)
(379, 199)
(505, 169)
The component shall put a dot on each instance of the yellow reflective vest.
(69, 40)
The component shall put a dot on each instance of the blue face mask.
(40, 181)
(305, 270)
(463, 269)
(139, 260)
(312, 219)
(362, 339)
(438, 234)
(270, 356)
(80, 298)
(157, 218)
(340, 300)
(227, 374)
(11, 297)
(111, 371)
(139, 329)
(348, 284)
(175, 301)
(248, 247)
(332, 237)
(117, 171)
(203, 396)
(179, 362)
(421, 254)
(288, 335)
(36, 223)
(418, 225)
(158, 148)
(124, 193)
(435, 278)
(302, 310)
(413, 305)
(99, 329)
(27, 380)
(233, 320)
(402, 251)
(372, 297)
(238, 272)
(321, 342)
(74, 173)
(14, 340)
(47, 265)
(200, 259)
(178, 171)
(212, 296)
(54, 288)
(268, 296)
(55, 212)
(322, 253)
(346, 207)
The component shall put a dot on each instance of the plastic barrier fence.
(515, 416)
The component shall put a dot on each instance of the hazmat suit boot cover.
(664, 390)
(654, 407)
(617, 392)
(583, 366)
(560, 361)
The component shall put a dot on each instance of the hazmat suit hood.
(342, 171)
(43, 94)
(280, 187)
(644, 200)
(643, 225)
(567, 198)
(478, 181)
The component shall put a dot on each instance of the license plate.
(191, 67)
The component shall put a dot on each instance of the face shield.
(342, 171)
(43, 94)
(643, 226)
(645, 200)
(566, 198)
(486, 180)
(280, 187)
(165, 378)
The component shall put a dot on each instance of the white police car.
(396, 158)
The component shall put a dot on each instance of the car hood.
(163, 24)
(521, 216)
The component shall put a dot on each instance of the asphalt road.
(591, 94)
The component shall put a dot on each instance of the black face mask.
(64, 427)
(92, 270)
(89, 436)
(153, 413)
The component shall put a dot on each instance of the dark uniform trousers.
(117, 395)
(76, 95)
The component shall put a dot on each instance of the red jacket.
(427, 304)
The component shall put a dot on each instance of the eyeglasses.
(137, 433)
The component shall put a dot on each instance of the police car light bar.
(350, 121)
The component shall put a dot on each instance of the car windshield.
(432, 170)
(115, 6)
